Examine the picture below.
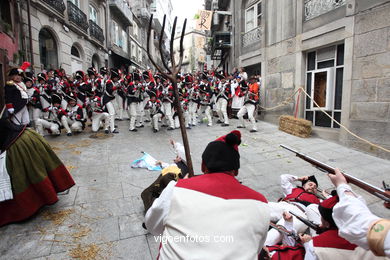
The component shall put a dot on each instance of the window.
(135, 30)
(324, 82)
(75, 52)
(93, 14)
(133, 51)
(253, 16)
(115, 30)
(124, 41)
(5, 16)
(139, 54)
(75, 2)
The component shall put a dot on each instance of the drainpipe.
(30, 33)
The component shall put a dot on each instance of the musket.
(308, 223)
(378, 192)
(284, 231)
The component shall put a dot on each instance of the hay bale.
(295, 126)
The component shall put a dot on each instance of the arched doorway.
(96, 61)
(48, 50)
(77, 58)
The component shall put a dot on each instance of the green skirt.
(36, 174)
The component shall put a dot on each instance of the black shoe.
(240, 126)
(147, 120)
(139, 126)
(143, 225)
(225, 124)
(106, 131)
(115, 131)
(115, 126)
(164, 126)
(253, 131)
(69, 134)
(188, 127)
(170, 128)
(133, 130)
(155, 130)
(219, 122)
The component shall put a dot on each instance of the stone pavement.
(101, 217)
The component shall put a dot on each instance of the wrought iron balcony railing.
(121, 10)
(58, 5)
(95, 31)
(78, 17)
(314, 8)
(252, 37)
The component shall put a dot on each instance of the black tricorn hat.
(41, 76)
(103, 70)
(311, 178)
(29, 76)
(220, 74)
(56, 99)
(114, 73)
(136, 76)
(15, 71)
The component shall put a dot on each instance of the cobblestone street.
(102, 215)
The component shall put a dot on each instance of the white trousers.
(42, 124)
(250, 109)
(207, 112)
(193, 107)
(222, 110)
(132, 113)
(140, 113)
(119, 103)
(22, 117)
(155, 120)
(71, 125)
(186, 120)
(97, 118)
(111, 112)
(277, 209)
(34, 114)
(167, 106)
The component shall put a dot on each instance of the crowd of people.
(51, 101)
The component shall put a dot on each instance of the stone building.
(194, 56)
(338, 50)
(67, 34)
(120, 22)
(9, 38)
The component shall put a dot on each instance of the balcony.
(57, 5)
(95, 31)
(143, 14)
(252, 37)
(221, 43)
(314, 8)
(121, 10)
(78, 17)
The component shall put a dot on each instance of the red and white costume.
(292, 202)
(209, 207)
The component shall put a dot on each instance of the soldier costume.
(73, 118)
(16, 98)
(109, 96)
(251, 99)
(52, 120)
(34, 104)
(223, 96)
(154, 106)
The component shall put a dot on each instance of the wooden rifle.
(378, 192)
(307, 222)
(284, 231)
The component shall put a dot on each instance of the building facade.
(194, 55)
(335, 49)
(66, 34)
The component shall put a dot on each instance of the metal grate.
(77, 16)
(314, 8)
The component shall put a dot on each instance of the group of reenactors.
(54, 101)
